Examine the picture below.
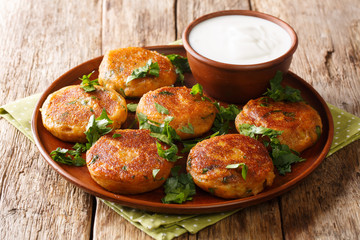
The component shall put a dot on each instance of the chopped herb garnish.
(178, 188)
(149, 69)
(124, 168)
(187, 129)
(223, 118)
(280, 93)
(169, 154)
(88, 85)
(72, 102)
(244, 168)
(132, 107)
(204, 170)
(97, 127)
(68, 157)
(161, 109)
(166, 93)
(155, 172)
(318, 131)
(116, 135)
(253, 131)
(181, 65)
(94, 158)
(282, 156)
(197, 89)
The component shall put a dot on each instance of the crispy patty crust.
(66, 112)
(126, 164)
(118, 65)
(192, 115)
(300, 123)
(208, 160)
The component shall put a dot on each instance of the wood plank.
(325, 205)
(258, 222)
(131, 23)
(40, 41)
(137, 23)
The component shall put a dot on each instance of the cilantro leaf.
(244, 168)
(162, 132)
(161, 109)
(169, 154)
(132, 107)
(116, 135)
(88, 85)
(279, 93)
(64, 156)
(178, 188)
(187, 129)
(149, 69)
(223, 118)
(181, 65)
(166, 93)
(197, 89)
(282, 156)
(252, 131)
(97, 127)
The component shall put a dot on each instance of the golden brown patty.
(66, 112)
(183, 106)
(126, 164)
(300, 123)
(208, 160)
(118, 64)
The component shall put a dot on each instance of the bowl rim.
(257, 66)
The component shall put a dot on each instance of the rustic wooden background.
(40, 40)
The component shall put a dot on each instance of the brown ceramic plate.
(202, 202)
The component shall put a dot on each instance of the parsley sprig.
(282, 156)
(181, 65)
(97, 128)
(88, 85)
(94, 130)
(280, 93)
(151, 68)
(224, 116)
(68, 157)
(164, 133)
(178, 188)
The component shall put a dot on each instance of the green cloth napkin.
(167, 226)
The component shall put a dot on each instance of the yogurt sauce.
(239, 39)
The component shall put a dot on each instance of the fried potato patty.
(192, 115)
(66, 112)
(127, 164)
(208, 160)
(118, 65)
(300, 123)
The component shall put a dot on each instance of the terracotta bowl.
(231, 82)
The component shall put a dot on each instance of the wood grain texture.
(257, 222)
(325, 205)
(40, 41)
(137, 23)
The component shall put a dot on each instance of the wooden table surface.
(40, 40)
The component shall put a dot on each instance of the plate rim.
(126, 200)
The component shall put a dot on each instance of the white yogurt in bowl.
(239, 39)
